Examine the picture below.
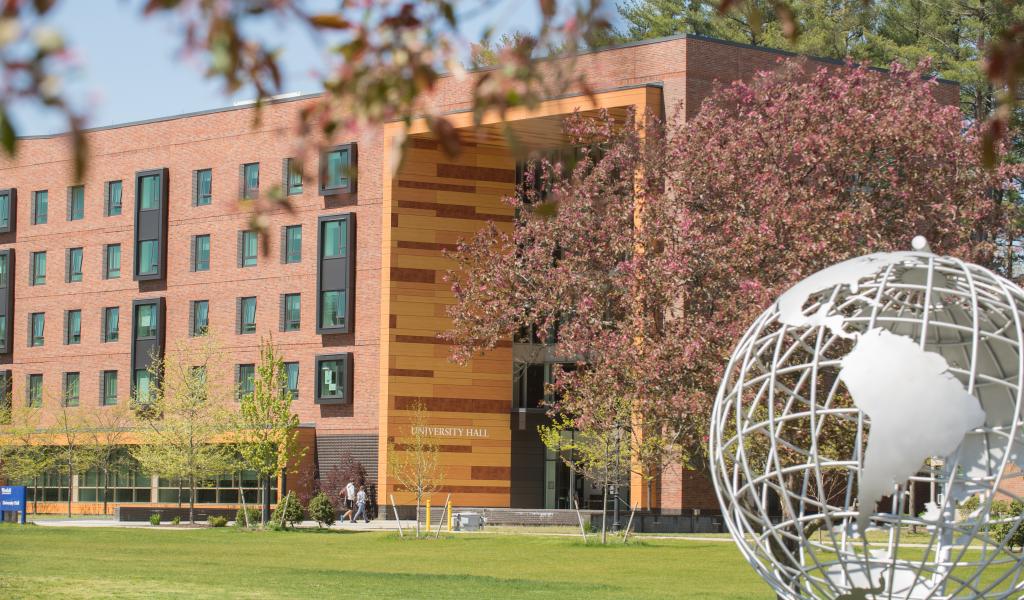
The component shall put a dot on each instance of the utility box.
(468, 521)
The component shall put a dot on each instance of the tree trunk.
(604, 514)
(417, 516)
(106, 484)
(71, 469)
(192, 500)
(266, 498)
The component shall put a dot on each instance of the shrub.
(176, 520)
(291, 504)
(154, 519)
(217, 521)
(254, 516)
(321, 510)
(968, 506)
(1011, 530)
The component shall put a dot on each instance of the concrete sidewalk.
(376, 525)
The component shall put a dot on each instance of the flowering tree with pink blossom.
(652, 254)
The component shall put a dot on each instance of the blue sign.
(12, 499)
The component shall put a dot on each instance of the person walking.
(361, 506)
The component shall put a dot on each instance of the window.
(3, 334)
(332, 309)
(203, 187)
(112, 261)
(112, 200)
(292, 244)
(142, 386)
(74, 274)
(37, 325)
(149, 257)
(247, 248)
(200, 317)
(145, 321)
(291, 371)
(76, 203)
(250, 180)
(332, 383)
(35, 390)
(336, 170)
(247, 315)
(38, 274)
(5, 210)
(246, 375)
(73, 327)
(111, 316)
(201, 253)
(290, 311)
(4, 269)
(40, 200)
(335, 239)
(108, 388)
(149, 192)
(70, 395)
(292, 177)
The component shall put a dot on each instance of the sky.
(132, 68)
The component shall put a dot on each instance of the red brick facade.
(685, 69)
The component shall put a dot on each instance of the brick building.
(152, 248)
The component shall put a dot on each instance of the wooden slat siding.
(470, 405)
(491, 473)
(410, 373)
(410, 275)
(476, 173)
(431, 203)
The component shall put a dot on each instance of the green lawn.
(81, 563)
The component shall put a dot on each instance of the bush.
(254, 516)
(291, 504)
(154, 519)
(968, 506)
(217, 521)
(321, 510)
(1011, 514)
(176, 521)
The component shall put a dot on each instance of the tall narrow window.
(200, 317)
(291, 371)
(246, 375)
(36, 327)
(111, 325)
(108, 394)
(291, 312)
(292, 177)
(145, 321)
(74, 265)
(334, 245)
(112, 261)
(293, 244)
(201, 253)
(38, 275)
(113, 198)
(149, 192)
(5, 210)
(248, 247)
(73, 327)
(336, 166)
(332, 309)
(247, 315)
(70, 395)
(203, 187)
(335, 273)
(76, 203)
(142, 386)
(149, 257)
(250, 181)
(40, 202)
(4, 269)
(35, 390)
(3, 332)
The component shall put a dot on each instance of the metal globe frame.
(780, 398)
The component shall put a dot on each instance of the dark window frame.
(245, 192)
(32, 327)
(286, 323)
(12, 209)
(75, 203)
(65, 379)
(353, 162)
(286, 255)
(347, 273)
(68, 341)
(71, 276)
(346, 383)
(193, 325)
(105, 334)
(241, 326)
(30, 401)
(240, 389)
(35, 207)
(158, 223)
(108, 204)
(195, 252)
(198, 197)
(105, 388)
(33, 275)
(107, 272)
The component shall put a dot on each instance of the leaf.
(8, 138)
(329, 21)
(547, 8)
(449, 13)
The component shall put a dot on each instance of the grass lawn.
(147, 563)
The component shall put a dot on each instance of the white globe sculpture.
(879, 383)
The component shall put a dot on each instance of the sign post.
(12, 499)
